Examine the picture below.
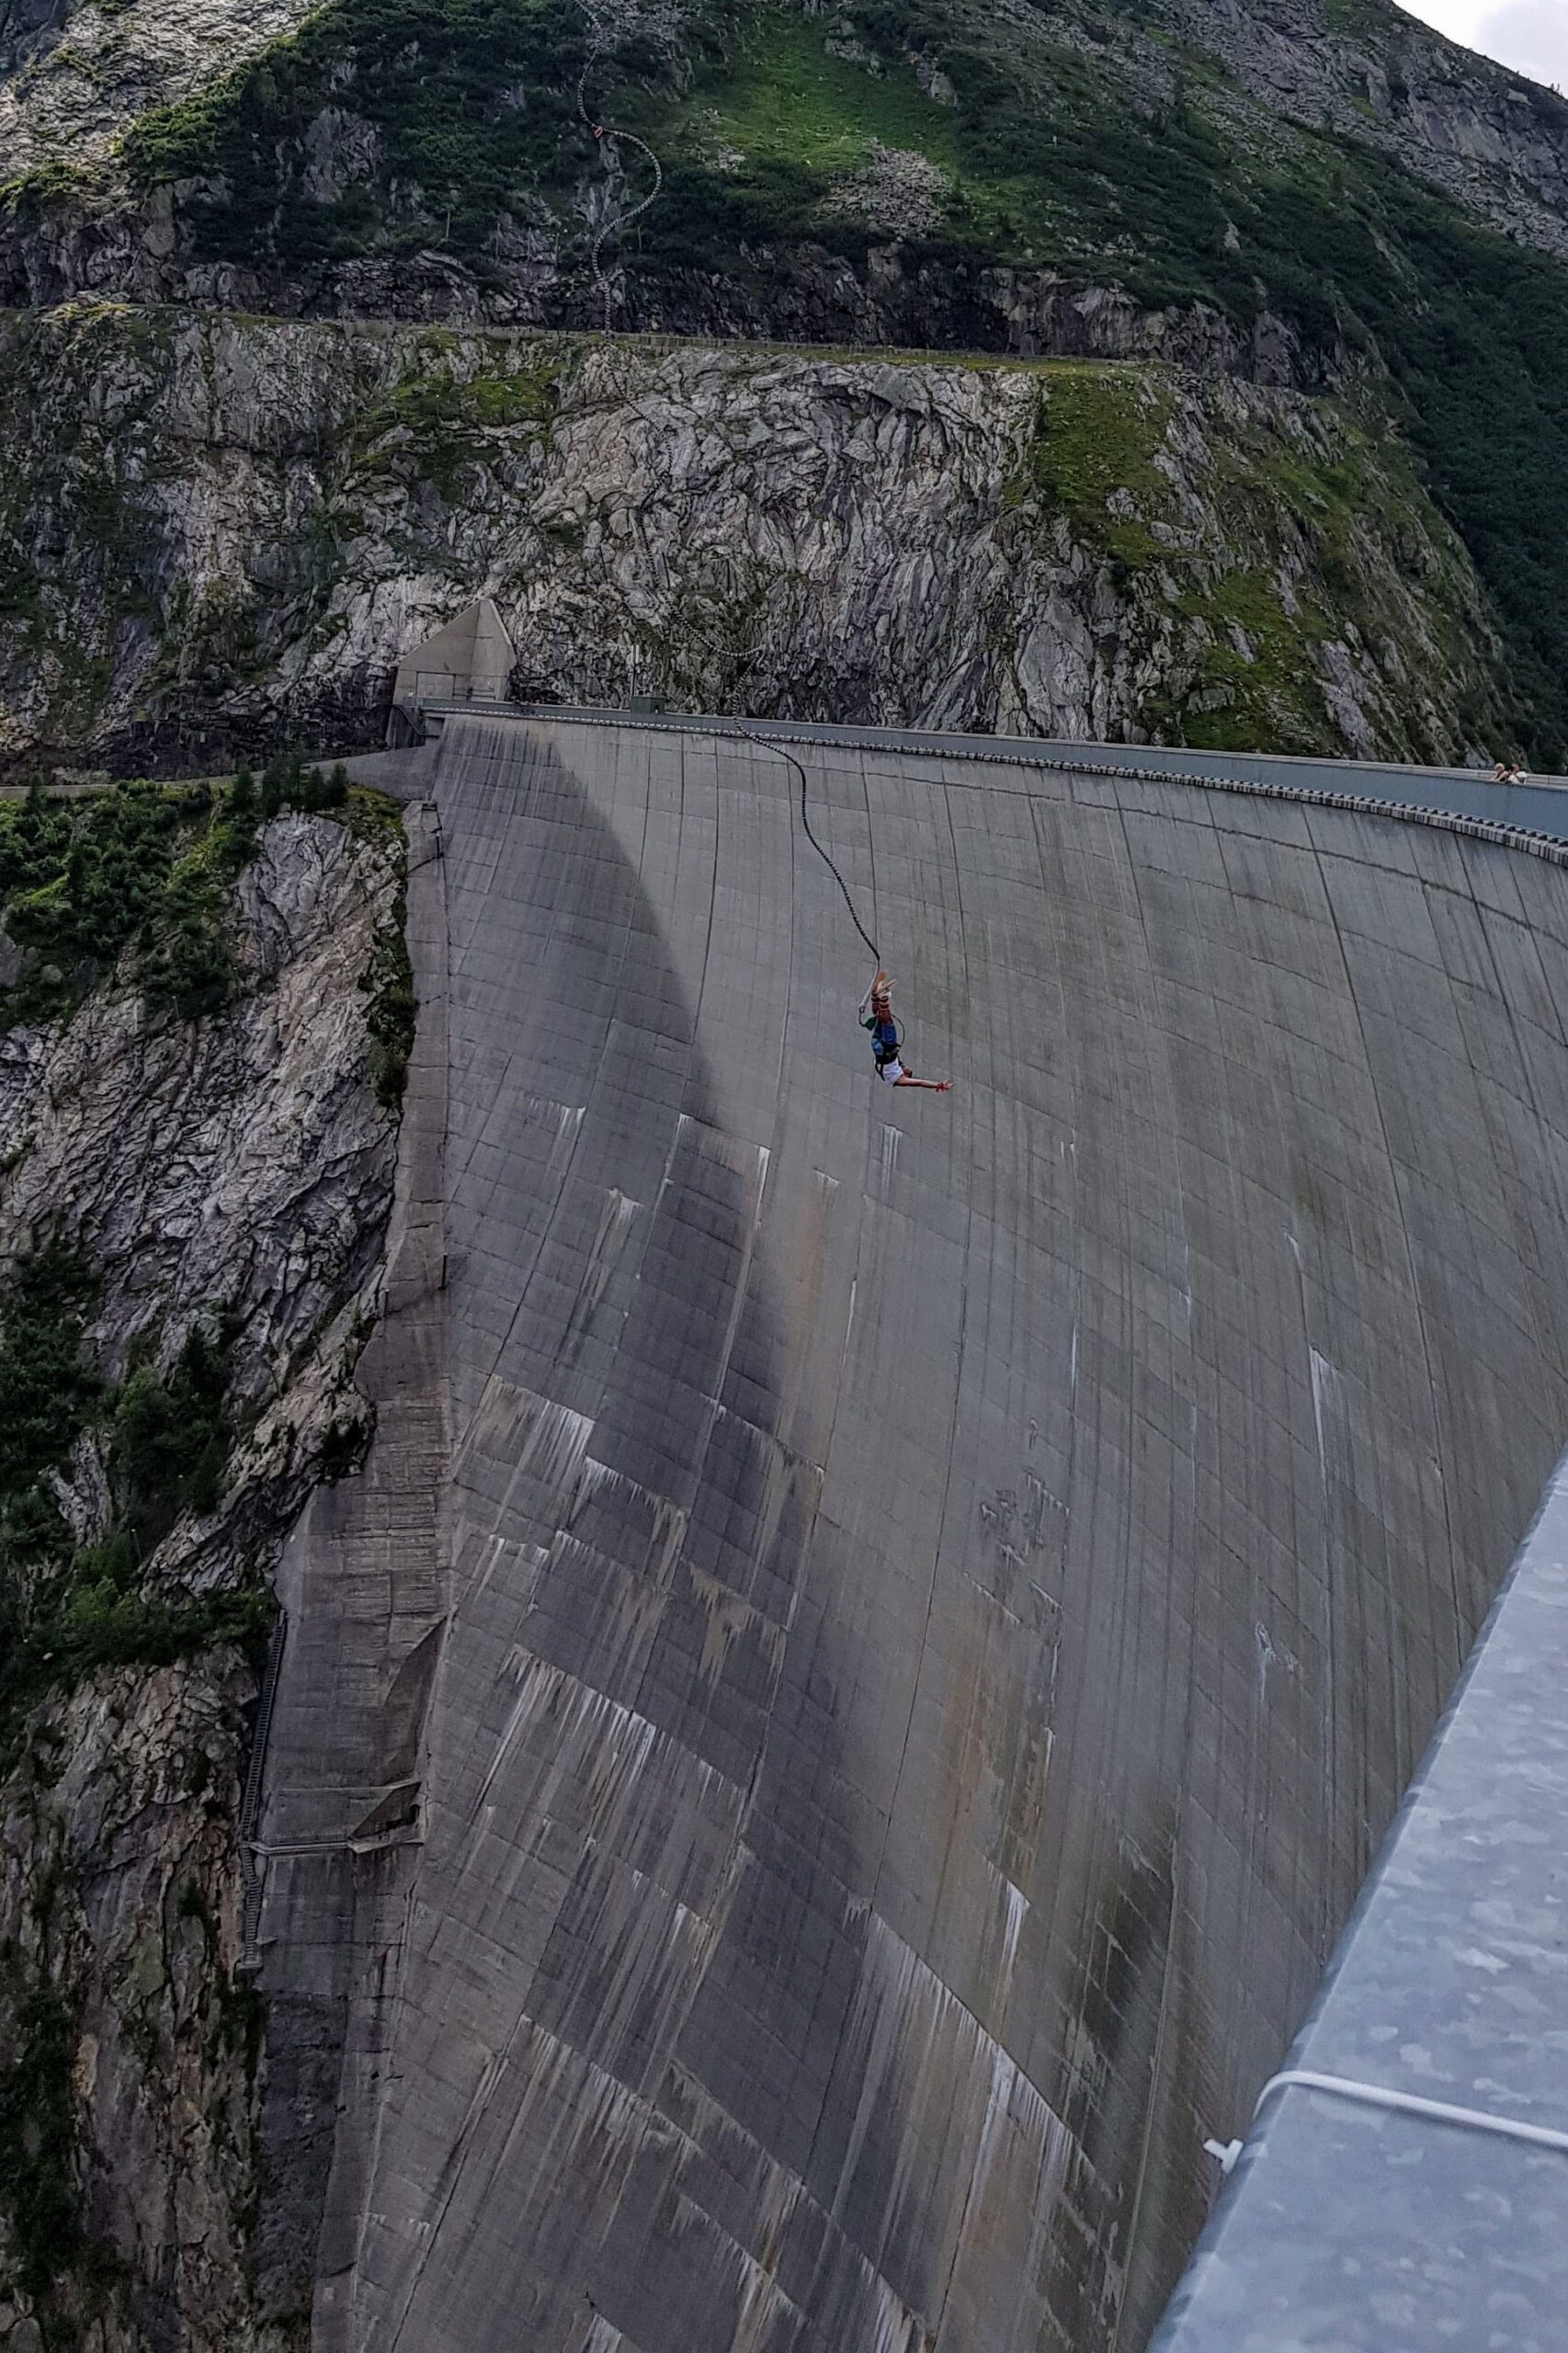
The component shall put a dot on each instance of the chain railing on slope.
(604, 35)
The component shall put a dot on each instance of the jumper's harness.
(886, 1038)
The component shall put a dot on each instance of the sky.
(1530, 35)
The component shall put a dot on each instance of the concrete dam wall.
(831, 1743)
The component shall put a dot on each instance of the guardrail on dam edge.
(939, 1599)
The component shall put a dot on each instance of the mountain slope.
(1319, 192)
(214, 531)
(199, 1162)
(75, 74)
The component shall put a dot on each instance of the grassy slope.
(1176, 188)
(1043, 169)
(1096, 453)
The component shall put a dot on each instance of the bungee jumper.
(876, 1005)
(887, 1044)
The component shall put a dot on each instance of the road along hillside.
(942, 1594)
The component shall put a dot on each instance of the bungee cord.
(766, 745)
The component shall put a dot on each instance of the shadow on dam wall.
(942, 1595)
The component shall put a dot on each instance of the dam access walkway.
(879, 1636)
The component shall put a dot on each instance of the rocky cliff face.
(74, 73)
(233, 1171)
(224, 531)
(1318, 196)
(1495, 142)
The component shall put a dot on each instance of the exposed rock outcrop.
(120, 1889)
(87, 244)
(243, 1158)
(74, 72)
(240, 1163)
(1488, 137)
(229, 530)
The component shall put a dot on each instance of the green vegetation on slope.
(144, 872)
(62, 2270)
(1472, 329)
(453, 421)
(1303, 539)
(67, 1609)
(1091, 458)
(786, 98)
(141, 869)
(393, 1008)
(1045, 159)
(47, 1394)
(433, 77)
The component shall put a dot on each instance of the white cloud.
(1457, 18)
(1530, 35)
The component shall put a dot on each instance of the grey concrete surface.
(1541, 803)
(1354, 2226)
(473, 657)
(363, 1595)
(944, 1595)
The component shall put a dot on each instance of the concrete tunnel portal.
(832, 1741)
